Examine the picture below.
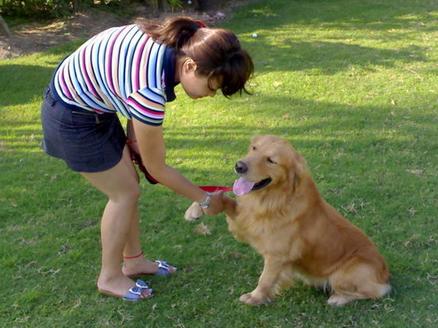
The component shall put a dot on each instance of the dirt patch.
(36, 37)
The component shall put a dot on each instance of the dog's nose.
(241, 167)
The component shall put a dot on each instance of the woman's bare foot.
(141, 266)
(118, 286)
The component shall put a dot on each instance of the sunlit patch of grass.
(352, 84)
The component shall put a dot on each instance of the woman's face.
(196, 85)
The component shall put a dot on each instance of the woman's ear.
(189, 65)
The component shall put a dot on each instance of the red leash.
(216, 188)
(135, 157)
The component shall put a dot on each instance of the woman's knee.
(127, 195)
(135, 191)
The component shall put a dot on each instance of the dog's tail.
(379, 290)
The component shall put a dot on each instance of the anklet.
(132, 257)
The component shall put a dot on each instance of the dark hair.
(216, 52)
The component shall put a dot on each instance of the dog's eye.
(269, 159)
(253, 148)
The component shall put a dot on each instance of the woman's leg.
(138, 264)
(133, 246)
(123, 191)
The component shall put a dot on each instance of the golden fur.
(298, 233)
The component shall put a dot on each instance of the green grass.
(352, 84)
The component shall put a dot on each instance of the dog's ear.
(254, 139)
(296, 170)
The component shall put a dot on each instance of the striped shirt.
(119, 70)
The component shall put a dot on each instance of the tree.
(4, 27)
(158, 5)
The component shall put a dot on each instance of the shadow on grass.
(20, 84)
(294, 117)
(336, 122)
(347, 15)
(333, 57)
(49, 215)
(384, 22)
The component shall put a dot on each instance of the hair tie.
(200, 23)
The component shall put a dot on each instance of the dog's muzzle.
(241, 168)
(261, 184)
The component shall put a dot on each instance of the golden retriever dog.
(280, 213)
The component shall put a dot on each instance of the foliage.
(175, 3)
(351, 83)
(58, 8)
(162, 5)
(35, 9)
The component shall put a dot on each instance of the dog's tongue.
(242, 186)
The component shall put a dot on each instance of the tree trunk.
(163, 5)
(4, 27)
(199, 4)
(158, 5)
(76, 4)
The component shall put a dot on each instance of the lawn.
(352, 84)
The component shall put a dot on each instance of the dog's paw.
(252, 299)
(194, 212)
(338, 300)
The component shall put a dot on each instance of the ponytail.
(174, 32)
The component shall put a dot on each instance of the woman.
(132, 70)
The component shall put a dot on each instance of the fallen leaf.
(202, 229)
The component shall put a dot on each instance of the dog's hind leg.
(370, 291)
(354, 281)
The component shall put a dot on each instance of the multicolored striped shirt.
(119, 70)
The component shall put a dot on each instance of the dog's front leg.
(264, 291)
(194, 212)
(230, 207)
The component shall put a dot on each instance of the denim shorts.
(87, 141)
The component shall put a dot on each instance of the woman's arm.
(153, 153)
